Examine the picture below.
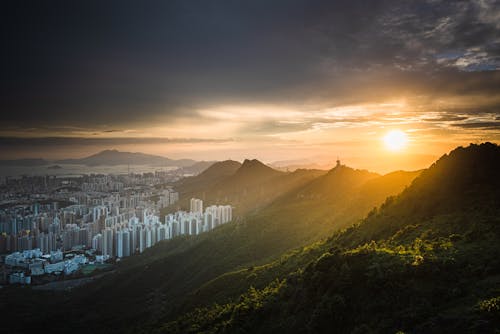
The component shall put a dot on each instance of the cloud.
(446, 118)
(140, 64)
(479, 125)
(80, 141)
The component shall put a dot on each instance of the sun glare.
(395, 140)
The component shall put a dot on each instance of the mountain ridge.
(408, 267)
(112, 157)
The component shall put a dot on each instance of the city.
(264, 167)
(58, 226)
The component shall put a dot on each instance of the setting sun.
(395, 140)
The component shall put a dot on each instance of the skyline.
(294, 80)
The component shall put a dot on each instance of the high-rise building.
(123, 243)
(126, 243)
(149, 237)
(119, 243)
(133, 239)
(107, 242)
(42, 242)
(141, 233)
(196, 205)
(97, 242)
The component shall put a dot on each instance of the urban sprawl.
(54, 226)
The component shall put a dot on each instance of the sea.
(71, 170)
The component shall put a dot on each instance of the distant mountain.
(291, 168)
(326, 203)
(375, 191)
(248, 186)
(115, 157)
(198, 167)
(252, 171)
(220, 169)
(208, 178)
(336, 182)
(292, 165)
(426, 261)
(24, 162)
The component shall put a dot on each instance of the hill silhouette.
(247, 187)
(189, 186)
(426, 261)
(252, 169)
(115, 157)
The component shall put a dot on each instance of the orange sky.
(293, 136)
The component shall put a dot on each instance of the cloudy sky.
(276, 80)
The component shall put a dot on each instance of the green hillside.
(426, 261)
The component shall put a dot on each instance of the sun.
(395, 140)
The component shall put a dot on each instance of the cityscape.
(53, 226)
(220, 167)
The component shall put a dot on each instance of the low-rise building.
(19, 278)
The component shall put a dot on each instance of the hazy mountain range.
(112, 158)
(115, 157)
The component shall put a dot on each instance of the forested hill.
(426, 261)
(247, 187)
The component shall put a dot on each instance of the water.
(77, 170)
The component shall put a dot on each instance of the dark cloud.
(446, 118)
(95, 63)
(479, 125)
(81, 141)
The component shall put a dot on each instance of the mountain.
(247, 187)
(115, 157)
(251, 169)
(25, 162)
(291, 165)
(335, 183)
(208, 178)
(197, 168)
(276, 212)
(426, 261)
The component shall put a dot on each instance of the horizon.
(279, 164)
(424, 161)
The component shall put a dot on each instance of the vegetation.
(410, 266)
(426, 260)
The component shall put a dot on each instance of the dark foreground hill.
(426, 261)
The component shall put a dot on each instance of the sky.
(290, 81)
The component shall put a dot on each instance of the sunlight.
(395, 140)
